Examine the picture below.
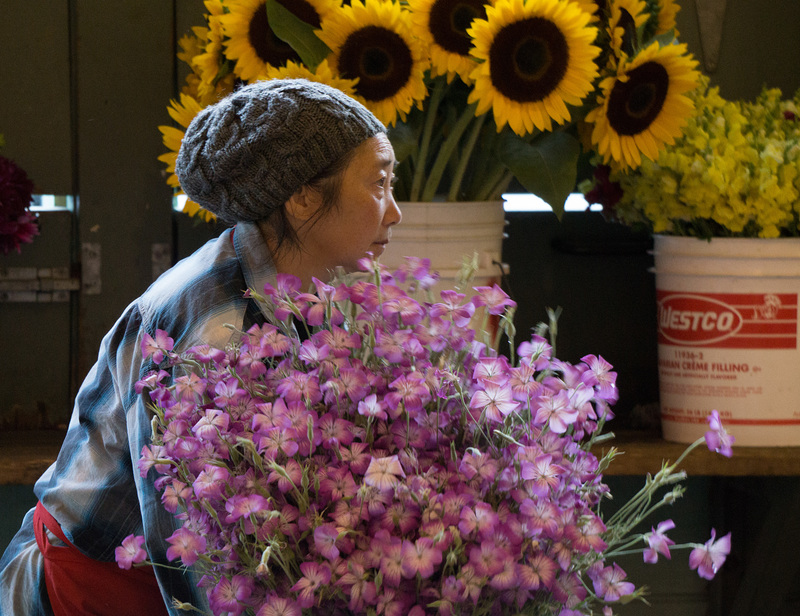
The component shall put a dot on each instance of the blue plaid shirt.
(94, 488)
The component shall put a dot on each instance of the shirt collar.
(255, 258)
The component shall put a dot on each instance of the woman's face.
(362, 219)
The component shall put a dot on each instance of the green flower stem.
(465, 157)
(446, 151)
(672, 548)
(496, 184)
(427, 133)
(688, 450)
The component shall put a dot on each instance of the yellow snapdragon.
(735, 171)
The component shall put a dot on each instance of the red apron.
(77, 584)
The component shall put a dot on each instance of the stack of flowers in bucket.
(369, 451)
(724, 203)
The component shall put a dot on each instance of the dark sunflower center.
(449, 22)
(303, 11)
(528, 59)
(268, 47)
(633, 105)
(379, 58)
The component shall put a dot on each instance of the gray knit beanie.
(243, 157)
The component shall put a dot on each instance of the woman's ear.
(304, 203)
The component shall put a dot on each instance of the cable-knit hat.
(243, 157)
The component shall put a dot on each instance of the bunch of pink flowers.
(371, 452)
(18, 225)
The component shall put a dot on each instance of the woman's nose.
(393, 214)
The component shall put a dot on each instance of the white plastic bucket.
(727, 337)
(446, 233)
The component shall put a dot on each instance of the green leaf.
(547, 167)
(297, 34)
(404, 139)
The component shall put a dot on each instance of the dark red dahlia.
(18, 225)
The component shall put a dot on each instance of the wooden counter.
(24, 455)
(643, 452)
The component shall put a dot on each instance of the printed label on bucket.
(728, 320)
(733, 352)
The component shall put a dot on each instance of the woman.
(305, 173)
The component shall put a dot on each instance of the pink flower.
(211, 482)
(338, 484)
(325, 536)
(315, 575)
(300, 387)
(480, 464)
(278, 439)
(130, 552)
(555, 410)
(211, 424)
(372, 407)
(229, 595)
(157, 347)
(494, 401)
(320, 306)
(186, 545)
(453, 305)
(391, 559)
(420, 557)
(658, 542)
(600, 376)
(479, 520)
(610, 583)
(339, 341)
(175, 494)
(335, 431)
(206, 354)
(541, 475)
(279, 606)
(494, 298)
(383, 473)
(243, 506)
(228, 392)
(409, 390)
(289, 477)
(717, 438)
(487, 558)
(536, 352)
(405, 309)
(539, 572)
(189, 387)
(312, 353)
(708, 558)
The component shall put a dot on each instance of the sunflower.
(210, 63)
(192, 44)
(593, 7)
(644, 105)
(253, 44)
(667, 10)
(183, 112)
(322, 74)
(442, 25)
(626, 16)
(538, 57)
(374, 43)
